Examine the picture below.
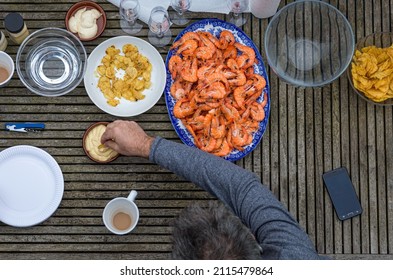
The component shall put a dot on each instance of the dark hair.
(212, 233)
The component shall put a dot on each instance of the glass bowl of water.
(51, 62)
(309, 43)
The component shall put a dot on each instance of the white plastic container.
(7, 68)
(264, 8)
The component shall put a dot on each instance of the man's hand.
(127, 138)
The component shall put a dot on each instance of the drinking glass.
(181, 7)
(159, 23)
(129, 10)
(237, 7)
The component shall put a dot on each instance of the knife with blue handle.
(24, 127)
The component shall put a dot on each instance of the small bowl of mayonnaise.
(86, 19)
(92, 144)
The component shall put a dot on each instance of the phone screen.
(342, 193)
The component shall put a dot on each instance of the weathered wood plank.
(162, 186)
(142, 195)
(86, 256)
(87, 239)
(310, 176)
(351, 143)
(283, 144)
(318, 168)
(328, 148)
(78, 247)
(82, 120)
(301, 159)
(292, 186)
(336, 162)
(79, 229)
(74, 203)
(380, 154)
(388, 136)
(345, 155)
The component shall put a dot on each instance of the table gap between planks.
(310, 131)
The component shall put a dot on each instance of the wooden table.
(310, 131)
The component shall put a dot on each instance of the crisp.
(124, 76)
(372, 72)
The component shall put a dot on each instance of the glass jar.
(16, 27)
(3, 41)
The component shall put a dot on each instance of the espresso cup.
(7, 68)
(121, 214)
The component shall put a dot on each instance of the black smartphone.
(342, 193)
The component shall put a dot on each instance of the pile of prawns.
(216, 91)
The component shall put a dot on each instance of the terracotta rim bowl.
(84, 146)
(101, 21)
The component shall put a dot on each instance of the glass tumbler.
(129, 10)
(159, 24)
(237, 7)
(181, 7)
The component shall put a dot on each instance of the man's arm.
(275, 229)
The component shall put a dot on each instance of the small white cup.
(7, 63)
(116, 211)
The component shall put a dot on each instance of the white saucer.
(31, 186)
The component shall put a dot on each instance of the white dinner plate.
(31, 186)
(126, 108)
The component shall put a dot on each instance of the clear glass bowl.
(51, 62)
(380, 40)
(309, 43)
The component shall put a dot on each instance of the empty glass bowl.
(380, 40)
(309, 43)
(51, 62)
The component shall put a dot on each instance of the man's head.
(212, 233)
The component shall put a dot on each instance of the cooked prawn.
(240, 136)
(217, 129)
(212, 39)
(240, 93)
(230, 52)
(206, 41)
(204, 53)
(239, 80)
(224, 149)
(218, 77)
(226, 38)
(257, 111)
(189, 71)
(186, 37)
(174, 65)
(183, 108)
(188, 48)
(230, 112)
(204, 71)
(259, 81)
(249, 52)
(216, 90)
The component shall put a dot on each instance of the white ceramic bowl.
(7, 63)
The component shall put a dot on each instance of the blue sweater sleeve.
(278, 233)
